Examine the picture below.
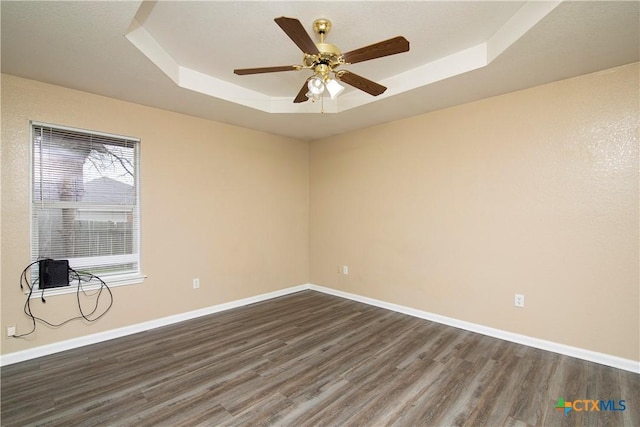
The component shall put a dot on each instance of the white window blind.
(85, 205)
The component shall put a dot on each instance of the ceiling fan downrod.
(321, 27)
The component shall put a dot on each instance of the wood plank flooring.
(311, 359)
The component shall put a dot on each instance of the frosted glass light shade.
(315, 85)
(313, 96)
(334, 88)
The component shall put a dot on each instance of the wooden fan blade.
(361, 83)
(298, 34)
(377, 50)
(302, 95)
(245, 71)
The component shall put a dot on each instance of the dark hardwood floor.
(310, 359)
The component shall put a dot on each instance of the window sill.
(92, 285)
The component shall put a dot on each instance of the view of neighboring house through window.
(85, 205)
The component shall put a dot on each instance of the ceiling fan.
(323, 58)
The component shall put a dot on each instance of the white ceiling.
(180, 55)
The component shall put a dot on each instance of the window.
(85, 205)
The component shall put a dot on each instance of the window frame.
(124, 278)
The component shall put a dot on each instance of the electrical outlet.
(519, 301)
(11, 331)
(196, 283)
(345, 269)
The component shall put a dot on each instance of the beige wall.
(222, 203)
(454, 212)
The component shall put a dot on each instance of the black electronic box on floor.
(53, 273)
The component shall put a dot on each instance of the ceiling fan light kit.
(321, 81)
(323, 59)
(317, 86)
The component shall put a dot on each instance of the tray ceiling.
(180, 56)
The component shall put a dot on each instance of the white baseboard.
(579, 353)
(591, 356)
(21, 356)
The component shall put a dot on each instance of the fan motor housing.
(329, 54)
